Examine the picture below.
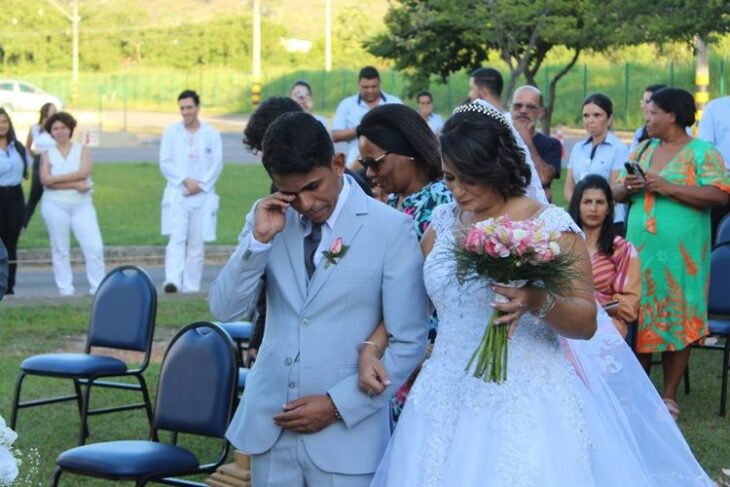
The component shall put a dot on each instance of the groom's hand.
(308, 414)
(270, 216)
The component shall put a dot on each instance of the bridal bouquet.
(513, 254)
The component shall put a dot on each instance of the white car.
(20, 96)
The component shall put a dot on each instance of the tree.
(440, 37)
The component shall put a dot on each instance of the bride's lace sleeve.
(557, 219)
(442, 218)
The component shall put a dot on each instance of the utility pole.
(328, 36)
(256, 84)
(75, 19)
(702, 78)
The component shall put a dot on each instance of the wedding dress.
(571, 413)
(8, 465)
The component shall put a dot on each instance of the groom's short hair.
(296, 143)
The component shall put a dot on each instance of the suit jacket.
(379, 278)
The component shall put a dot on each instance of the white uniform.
(189, 220)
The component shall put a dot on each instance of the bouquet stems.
(491, 354)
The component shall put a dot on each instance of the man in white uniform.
(191, 160)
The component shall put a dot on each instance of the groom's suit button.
(305, 322)
(292, 385)
(288, 361)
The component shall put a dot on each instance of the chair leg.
(686, 380)
(56, 476)
(146, 398)
(84, 429)
(16, 400)
(80, 404)
(725, 365)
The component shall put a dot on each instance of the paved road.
(129, 147)
(37, 282)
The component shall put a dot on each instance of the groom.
(302, 417)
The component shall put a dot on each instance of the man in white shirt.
(715, 128)
(485, 87)
(351, 110)
(425, 108)
(191, 160)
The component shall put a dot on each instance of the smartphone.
(634, 169)
(610, 306)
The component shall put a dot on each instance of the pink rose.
(474, 241)
(495, 248)
(336, 246)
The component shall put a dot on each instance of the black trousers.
(36, 190)
(12, 216)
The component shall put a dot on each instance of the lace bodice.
(535, 359)
(463, 308)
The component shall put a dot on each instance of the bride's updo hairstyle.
(478, 144)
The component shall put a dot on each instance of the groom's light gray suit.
(313, 328)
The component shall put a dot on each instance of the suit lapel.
(294, 241)
(347, 226)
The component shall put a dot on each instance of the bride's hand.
(521, 300)
(372, 377)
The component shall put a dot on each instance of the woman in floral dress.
(400, 154)
(669, 223)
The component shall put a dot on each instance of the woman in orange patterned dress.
(616, 271)
(669, 223)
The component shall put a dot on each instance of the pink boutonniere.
(336, 252)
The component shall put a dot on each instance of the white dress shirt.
(715, 126)
(348, 115)
(327, 227)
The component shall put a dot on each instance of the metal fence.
(227, 91)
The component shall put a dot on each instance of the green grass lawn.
(127, 200)
(46, 431)
(28, 328)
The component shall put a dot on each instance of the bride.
(575, 410)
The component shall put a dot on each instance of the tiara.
(484, 109)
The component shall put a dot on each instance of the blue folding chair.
(195, 396)
(123, 318)
(240, 332)
(718, 309)
(722, 235)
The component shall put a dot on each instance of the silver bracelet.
(377, 348)
(546, 307)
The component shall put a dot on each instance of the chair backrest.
(124, 310)
(198, 382)
(722, 234)
(718, 301)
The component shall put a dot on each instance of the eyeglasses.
(372, 163)
(529, 106)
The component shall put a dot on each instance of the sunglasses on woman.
(372, 163)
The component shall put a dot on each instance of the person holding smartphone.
(615, 262)
(670, 225)
(301, 92)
